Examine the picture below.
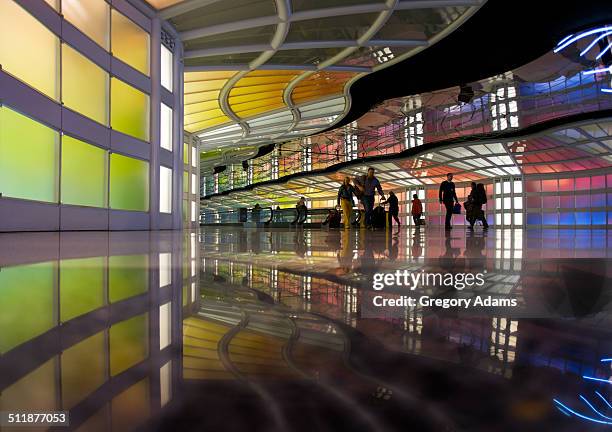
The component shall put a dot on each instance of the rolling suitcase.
(379, 217)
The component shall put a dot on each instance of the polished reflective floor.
(243, 329)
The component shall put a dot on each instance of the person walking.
(448, 197)
(301, 212)
(476, 199)
(345, 200)
(367, 185)
(393, 209)
(417, 210)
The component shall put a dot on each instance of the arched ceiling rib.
(279, 59)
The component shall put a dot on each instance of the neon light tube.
(592, 378)
(580, 36)
(603, 51)
(593, 408)
(603, 399)
(580, 415)
(592, 44)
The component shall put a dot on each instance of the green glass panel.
(26, 305)
(129, 343)
(129, 42)
(28, 50)
(83, 173)
(81, 286)
(83, 369)
(129, 110)
(128, 276)
(28, 158)
(185, 211)
(185, 293)
(186, 153)
(129, 183)
(84, 86)
(185, 181)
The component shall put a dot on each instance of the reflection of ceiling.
(583, 146)
(275, 62)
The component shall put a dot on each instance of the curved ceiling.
(492, 42)
(262, 71)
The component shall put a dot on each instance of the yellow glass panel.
(209, 75)
(129, 110)
(186, 153)
(132, 407)
(261, 103)
(202, 97)
(199, 86)
(20, 397)
(84, 86)
(53, 3)
(28, 50)
(160, 4)
(276, 95)
(83, 369)
(201, 106)
(256, 90)
(205, 115)
(207, 124)
(129, 42)
(252, 112)
(314, 95)
(92, 17)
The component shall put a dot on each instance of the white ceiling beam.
(184, 7)
(430, 4)
(208, 52)
(229, 27)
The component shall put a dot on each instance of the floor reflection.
(237, 329)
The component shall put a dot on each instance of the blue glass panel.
(534, 219)
(598, 218)
(583, 218)
(550, 219)
(566, 219)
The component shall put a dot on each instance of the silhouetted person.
(301, 212)
(345, 200)
(417, 210)
(393, 209)
(448, 197)
(256, 212)
(476, 199)
(367, 186)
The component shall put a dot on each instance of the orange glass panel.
(320, 84)
(202, 106)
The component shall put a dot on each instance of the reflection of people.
(417, 210)
(301, 212)
(367, 186)
(345, 255)
(448, 196)
(345, 200)
(417, 249)
(393, 209)
(300, 243)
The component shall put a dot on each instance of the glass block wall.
(89, 113)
